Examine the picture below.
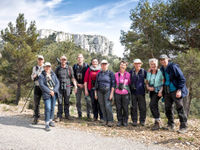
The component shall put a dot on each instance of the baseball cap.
(40, 57)
(47, 64)
(137, 61)
(104, 62)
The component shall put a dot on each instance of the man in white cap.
(138, 76)
(37, 70)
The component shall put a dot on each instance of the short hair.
(123, 62)
(153, 60)
(80, 54)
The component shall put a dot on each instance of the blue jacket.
(105, 79)
(176, 77)
(138, 81)
(43, 85)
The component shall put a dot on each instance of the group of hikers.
(100, 86)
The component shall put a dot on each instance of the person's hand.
(160, 94)
(80, 86)
(86, 92)
(95, 96)
(151, 89)
(178, 94)
(35, 75)
(52, 93)
(75, 89)
(111, 96)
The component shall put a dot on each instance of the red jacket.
(88, 77)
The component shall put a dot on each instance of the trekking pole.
(28, 96)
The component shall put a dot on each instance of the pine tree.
(19, 50)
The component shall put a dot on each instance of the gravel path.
(16, 133)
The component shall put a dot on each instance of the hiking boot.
(156, 125)
(134, 124)
(47, 128)
(142, 123)
(35, 121)
(95, 119)
(110, 124)
(170, 127)
(68, 118)
(59, 119)
(101, 121)
(119, 124)
(125, 124)
(182, 130)
(52, 124)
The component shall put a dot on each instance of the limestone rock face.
(91, 43)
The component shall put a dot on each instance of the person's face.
(40, 61)
(80, 59)
(63, 61)
(153, 65)
(123, 66)
(137, 66)
(164, 62)
(104, 67)
(95, 63)
(47, 69)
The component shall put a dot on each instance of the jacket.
(176, 77)
(43, 85)
(158, 83)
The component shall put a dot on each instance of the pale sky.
(102, 17)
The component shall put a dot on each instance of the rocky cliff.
(91, 43)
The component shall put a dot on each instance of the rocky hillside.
(91, 43)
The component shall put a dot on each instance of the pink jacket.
(122, 79)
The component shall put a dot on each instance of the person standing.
(89, 83)
(104, 90)
(138, 76)
(65, 75)
(122, 97)
(174, 91)
(79, 73)
(37, 70)
(154, 84)
(49, 85)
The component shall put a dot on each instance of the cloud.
(106, 20)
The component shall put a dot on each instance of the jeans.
(105, 105)
(138, 100)
(63, 98)
(95, 105)
(49, 108)
(154, 104)
(37, 97)
(122, 102)
(169, 100)
(78, 102)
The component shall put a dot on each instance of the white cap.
(47, 64)
(137, 61)
(63, 57)
(104, 62)
(40, 57)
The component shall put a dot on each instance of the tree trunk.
(18, 94)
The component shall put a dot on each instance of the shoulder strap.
(69, 71)
(36, 68)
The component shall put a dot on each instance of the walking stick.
(28, 96)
